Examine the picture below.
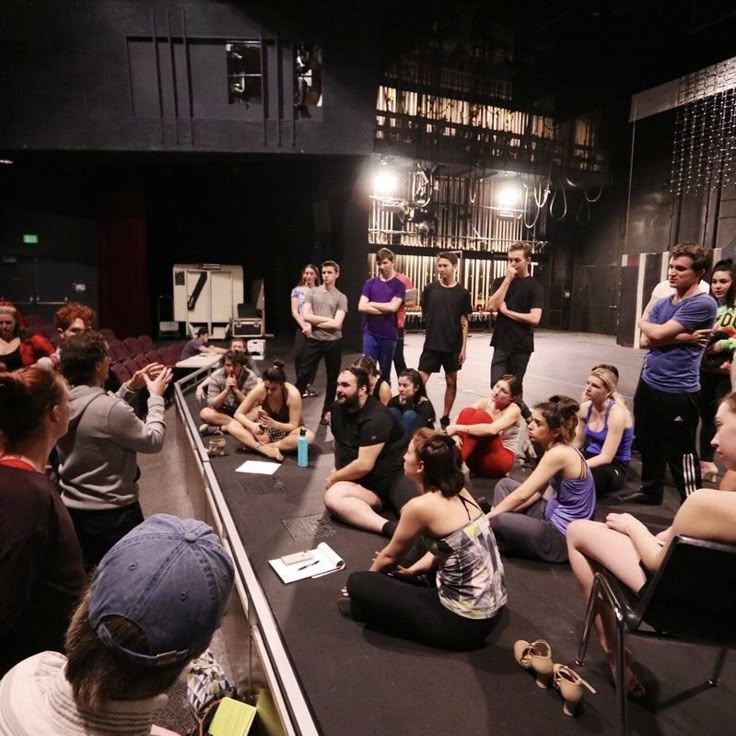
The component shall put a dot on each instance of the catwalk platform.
(336, 677)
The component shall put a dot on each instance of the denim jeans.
(382, 349)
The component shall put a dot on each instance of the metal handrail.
(290, 702)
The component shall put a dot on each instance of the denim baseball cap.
(169, 576)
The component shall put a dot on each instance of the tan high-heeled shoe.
(570, 685)
(537, 656)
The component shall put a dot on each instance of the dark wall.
(272, 217)
(646, 219)
(152, 75)
(131, 219)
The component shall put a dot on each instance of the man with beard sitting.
(369, 450)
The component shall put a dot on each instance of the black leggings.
(410, 611)
(608, 478)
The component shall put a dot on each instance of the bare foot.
(272, 452)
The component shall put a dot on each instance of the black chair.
(690, 598)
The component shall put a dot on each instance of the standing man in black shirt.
(518, 299)
(445, 308)
(369, 457)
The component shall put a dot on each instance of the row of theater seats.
(130, 354)
(126, 363)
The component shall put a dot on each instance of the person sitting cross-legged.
(226, 391)
(269, 419)
(470, 591)
(152, 606)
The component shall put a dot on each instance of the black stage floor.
(359, 681)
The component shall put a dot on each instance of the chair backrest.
(146, 343)
(134, 346)
(118, 350)
(152, 356)
(131, 365)
(140, 360)
(693, 594)
(121, 372)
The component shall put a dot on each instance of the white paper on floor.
(258, 467)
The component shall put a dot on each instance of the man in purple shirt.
(381, 298)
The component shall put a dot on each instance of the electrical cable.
(593, 200)
(527, 225)
(564, 203)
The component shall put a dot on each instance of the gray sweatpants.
(526, 533)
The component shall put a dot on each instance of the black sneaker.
(444, 422)
(643, 497)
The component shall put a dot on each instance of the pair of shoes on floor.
(537, 656)
(209, 429)
(309, 392)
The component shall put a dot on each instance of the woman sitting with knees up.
(269, 419)
(488, 431)
(525, 523)
(411, 405)
(378, 385)
(462, 609)
(632, 553)
(605, 431)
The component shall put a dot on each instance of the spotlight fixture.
(508, 197)
(386, 182)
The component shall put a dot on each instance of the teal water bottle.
(302, 448)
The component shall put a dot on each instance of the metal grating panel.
(313, 528)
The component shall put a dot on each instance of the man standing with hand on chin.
(518, 299)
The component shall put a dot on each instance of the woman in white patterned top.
(458, 609)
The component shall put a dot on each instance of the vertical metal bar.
(172, 57)
(279, 96)
(188, 69)
(158, 75)
(264, 92)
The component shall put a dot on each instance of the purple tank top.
(574, 499)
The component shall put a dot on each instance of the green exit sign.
(30, 239)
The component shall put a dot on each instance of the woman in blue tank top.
(524, 522)
(605, 431)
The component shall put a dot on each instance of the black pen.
(309, 564)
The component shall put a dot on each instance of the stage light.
(386, 182)
(508, 196)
